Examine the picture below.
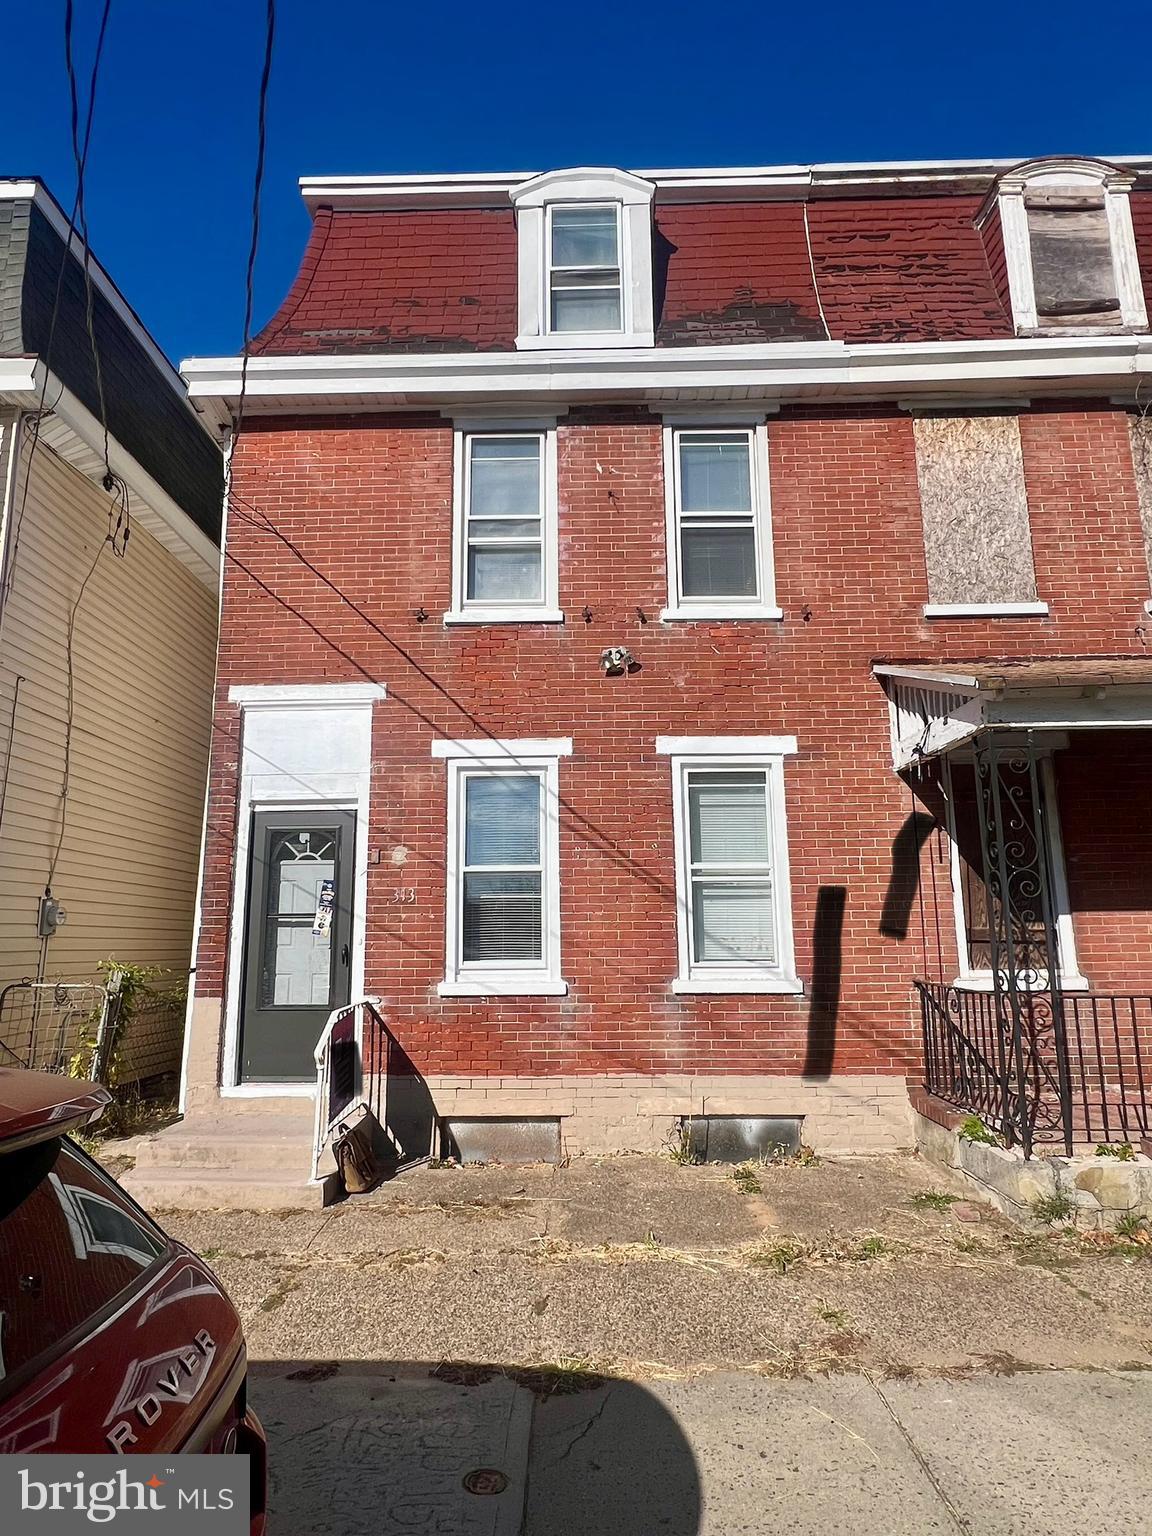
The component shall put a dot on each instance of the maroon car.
(113, 1337)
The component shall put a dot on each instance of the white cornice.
(29, 190)
(690, 184)
(827, 370)
(72, 430)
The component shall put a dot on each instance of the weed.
(872, 1248)
(1053, 1208)
(208, 1254)
(745, 1179)
(779, 1256)
(835, 1317)
(969, 1245)
(1132, 1225)
(933, 1200)
(974, 1129)
(679, 1146)
(1122, 1151)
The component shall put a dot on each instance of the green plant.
(974, 1129)
(679, 1146)
(933, 1200)
(1122, 1151)
(1131, 1224)
(872, 1248)
(779, 1256)
(1053, 1208)
(744, 1177)
(128, 984)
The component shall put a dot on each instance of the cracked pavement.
(637, 1347)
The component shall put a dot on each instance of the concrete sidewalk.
(387, 1450)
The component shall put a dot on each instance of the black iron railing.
(1076, 1069)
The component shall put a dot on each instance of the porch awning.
(936, 706)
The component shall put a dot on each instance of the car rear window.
(70, 1243)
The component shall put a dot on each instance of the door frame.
(265, 825)
(231, 1085)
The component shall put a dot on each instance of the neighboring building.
(108, 614)
(792, 440)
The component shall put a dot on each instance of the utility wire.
(81, 161)
(257, 190)
(119, 523)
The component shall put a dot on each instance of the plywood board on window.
(977, 540)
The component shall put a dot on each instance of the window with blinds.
(502, 870)
(731, 906)
(734, 916)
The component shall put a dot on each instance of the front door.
(298, 939)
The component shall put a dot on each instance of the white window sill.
(505, 616)
(981, 981)
(721, 611)
(584, 341)
(985, 610)
(780, 985)
(505, 985)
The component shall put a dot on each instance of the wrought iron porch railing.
(1032, 1080)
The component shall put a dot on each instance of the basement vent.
(740, 1138)
(503, 1140)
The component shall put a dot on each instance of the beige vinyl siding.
(144, 652)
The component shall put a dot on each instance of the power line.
(81, 161)
(119, 517)
(257, 190)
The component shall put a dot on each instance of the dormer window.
(1069, 248)
(585, 260)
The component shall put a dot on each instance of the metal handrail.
(1102, 1049)
(335, 1101)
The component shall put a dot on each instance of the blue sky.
(371, 87)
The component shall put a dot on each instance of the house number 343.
(404, 897)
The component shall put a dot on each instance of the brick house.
(636, 586)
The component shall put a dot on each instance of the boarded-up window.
(1141, 428)
(1072, 272)
(977, 542)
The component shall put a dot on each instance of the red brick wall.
(367, 501)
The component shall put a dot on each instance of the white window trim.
(547, 610)
(970, 980)
(531, 755)
(985, 610)
(764, 753)
(1072, 174)
(595, 186)
(763, 606)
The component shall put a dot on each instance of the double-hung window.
(505, 566)
(584, 260)
(719, 533)
(733, 900)
(585, 292)
(503, 900)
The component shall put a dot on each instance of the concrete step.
(214, 1189)
(243, 1144)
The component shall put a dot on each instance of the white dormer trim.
(632, 195)
(1093, 175)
